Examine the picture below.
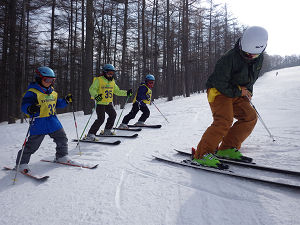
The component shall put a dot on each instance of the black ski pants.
(101, 110)
(135, 109)
(34, 141)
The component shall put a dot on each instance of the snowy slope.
(129, 187)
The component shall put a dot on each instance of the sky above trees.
(280, 18)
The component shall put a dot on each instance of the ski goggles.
(49, 79)
(150, 84)
(249, 55)
(110, 73)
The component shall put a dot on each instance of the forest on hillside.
(178, 41)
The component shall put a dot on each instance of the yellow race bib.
(149, 92)
(106, 88)
(47, 102)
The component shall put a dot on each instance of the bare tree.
(88, 64)
(124, 71)
(185, 46)
(12, 107)
(52, 34)
(169, 54)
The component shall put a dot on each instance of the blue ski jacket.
(46, 121)
(143, 95)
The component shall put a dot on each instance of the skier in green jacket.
(229, 89)
(102, 90)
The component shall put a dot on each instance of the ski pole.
(261, 120)
(76, 128)
(22, 150)
(159, 111)
(121, 114)
(88, 121)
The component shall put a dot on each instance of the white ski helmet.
(254, 40)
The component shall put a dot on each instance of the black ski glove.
(148, 97)
(33, 109)
(69, 98)
(129, 93)
(98, 98)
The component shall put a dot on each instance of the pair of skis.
(108, 142)
(132, 128)
(44, 178)
(189, 163)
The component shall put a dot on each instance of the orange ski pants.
(224, 110)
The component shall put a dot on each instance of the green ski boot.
(209, 160)
(232, 154)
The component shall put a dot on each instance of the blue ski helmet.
(44, 71)
(150, 77)
(108, 67)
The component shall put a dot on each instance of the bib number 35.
(108, 94)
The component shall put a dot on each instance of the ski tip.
(6, 168)
(94, 167)
(117, 142)
(43, 178)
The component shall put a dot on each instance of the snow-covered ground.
(130, 187)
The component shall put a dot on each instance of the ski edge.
(69, 164)
(128, 129)
(145, 126)
(229, 173)
(98, 142)
(118, 136)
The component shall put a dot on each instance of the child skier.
(142, 97)
(102, 90)
(40, 101)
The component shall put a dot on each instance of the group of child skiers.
(40, 103)
(102, 90)
(229, 90)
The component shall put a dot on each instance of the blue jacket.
(46, 124)
(143, 95)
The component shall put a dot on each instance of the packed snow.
(131, 187)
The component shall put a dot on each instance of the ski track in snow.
(130, 187)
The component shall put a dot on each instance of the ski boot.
(24, 168)
(123, 126)
(90, 137)
(209, 160)
(139, 123)
(64, 159)
(107, 132)
(232, 154)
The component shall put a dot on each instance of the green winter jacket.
(107, 89)
(233, 71)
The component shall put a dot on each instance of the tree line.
(178, 41)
